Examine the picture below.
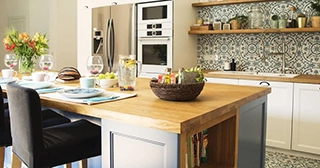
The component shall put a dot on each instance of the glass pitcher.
(127, 72)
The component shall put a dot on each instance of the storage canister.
(255, 17)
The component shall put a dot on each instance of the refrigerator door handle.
(112, 43)
(108, 41)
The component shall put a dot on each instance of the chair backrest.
(25, 122)
(2, 124)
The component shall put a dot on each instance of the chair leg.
(68, 165)
(83, 163)
(2, 154)
(16, 162)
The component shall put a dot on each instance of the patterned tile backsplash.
(253, 52)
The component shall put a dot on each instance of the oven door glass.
(155, 53)
(156, 12)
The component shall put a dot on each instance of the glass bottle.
(255, 17)
(292, 20)
(167, 76)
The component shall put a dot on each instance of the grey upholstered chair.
(39, 147)
(49, 118)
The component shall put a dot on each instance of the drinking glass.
(46, 63)
(10, 60)
(94, 65)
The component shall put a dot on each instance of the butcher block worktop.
(148, 110)
(311, 79)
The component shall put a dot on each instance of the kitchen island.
(146, 131)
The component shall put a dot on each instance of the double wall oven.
(155, 36)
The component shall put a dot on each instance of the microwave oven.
(155, 12)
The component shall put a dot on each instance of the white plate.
(81, 92)
(35, 85)
(7, 80)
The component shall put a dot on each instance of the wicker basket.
(177, 92)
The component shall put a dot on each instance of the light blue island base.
(125, 145)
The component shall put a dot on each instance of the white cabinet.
(279, 112)
(100, 3)
(84, 17)
(306, 118)
(223, 81)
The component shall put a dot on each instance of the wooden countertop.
(311, 79)
(147, 110)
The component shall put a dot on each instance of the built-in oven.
(155, 12)
(155, 54)
(155, 36)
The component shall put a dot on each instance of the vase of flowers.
(27, 49)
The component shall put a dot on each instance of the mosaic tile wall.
(253, 52)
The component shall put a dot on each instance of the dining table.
(142, 130)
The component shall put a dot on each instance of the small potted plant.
(315, 20)
(238, 21)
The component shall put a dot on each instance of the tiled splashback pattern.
(252, 52)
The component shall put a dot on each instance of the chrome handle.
(108, 41)
(152, 39)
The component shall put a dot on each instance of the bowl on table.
(107, 83)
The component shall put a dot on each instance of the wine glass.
(46, 63)
(94, 65)
(10, 60)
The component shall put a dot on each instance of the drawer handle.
(265, 82)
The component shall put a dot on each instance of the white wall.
(56, 18)
(63, 32)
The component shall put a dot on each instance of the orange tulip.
(6, 40)
(24, 36)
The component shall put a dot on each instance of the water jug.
(127, 72)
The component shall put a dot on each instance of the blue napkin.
(99, 99)
(48, 90)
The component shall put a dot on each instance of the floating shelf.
(253, 31)
(228, 2)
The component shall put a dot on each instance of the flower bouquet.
(26, 48)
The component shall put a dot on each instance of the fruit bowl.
(177, 92)
(107, 83)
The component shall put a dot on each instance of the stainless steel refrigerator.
(118, 31)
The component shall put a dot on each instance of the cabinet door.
(306, 118)
(223, 81)
(279, 112)
(101, 3)
(131, 146)
(84, 19)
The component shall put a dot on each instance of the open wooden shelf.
(255, 31)
(228, 2)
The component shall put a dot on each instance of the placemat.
(104, 97)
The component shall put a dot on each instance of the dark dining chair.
(39, 147)
(49, 118)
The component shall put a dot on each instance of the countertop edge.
(310, 79)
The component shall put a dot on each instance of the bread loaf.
(68, 74)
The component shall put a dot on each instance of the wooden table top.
(149, 111)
